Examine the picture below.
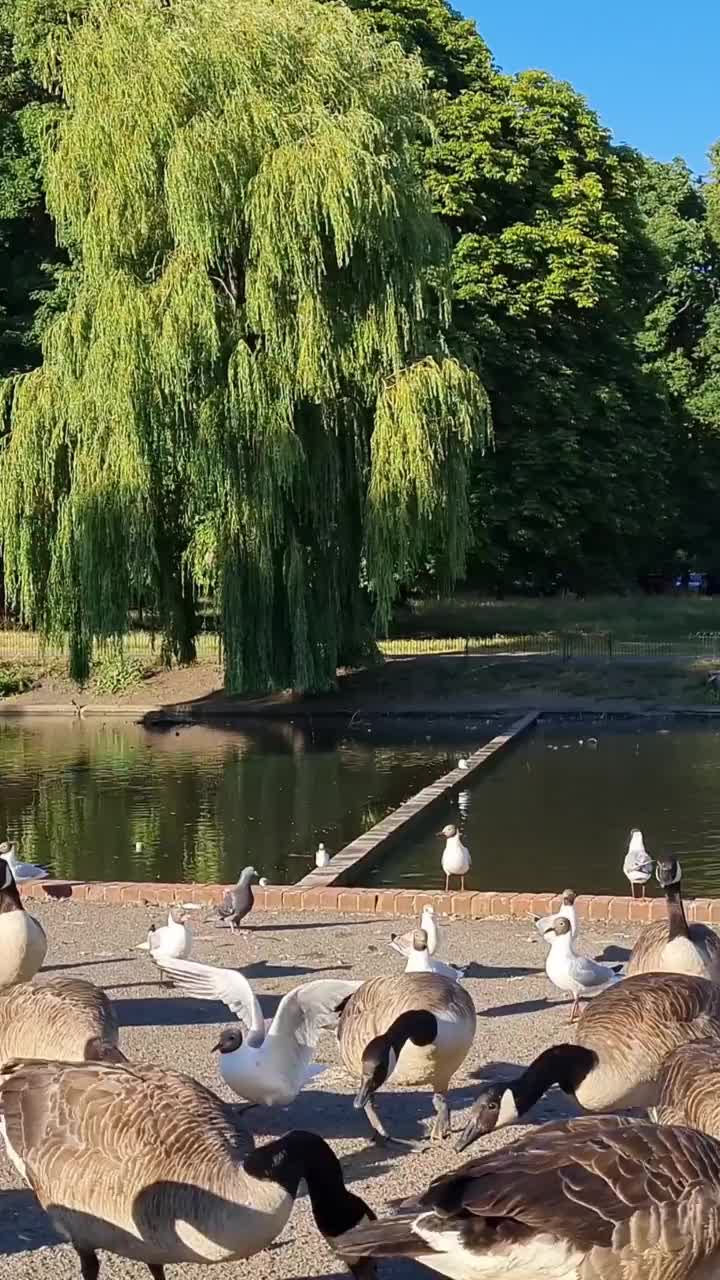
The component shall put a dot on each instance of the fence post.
(565, 648)
(610, 644)
(467, 646)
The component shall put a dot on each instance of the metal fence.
(557, 644)
(28, 646)
(17, 646)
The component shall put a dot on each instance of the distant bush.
(115, 672)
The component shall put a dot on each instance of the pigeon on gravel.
(238, 902)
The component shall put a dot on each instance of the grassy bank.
(638, 617)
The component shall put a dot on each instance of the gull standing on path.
(404, 942)
(455, 859)
(571, 973)
(174, 940)
(420, 961)
(21, 870)
(567, 909)
(638, 864)
(271, 1064)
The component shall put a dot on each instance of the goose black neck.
(301, 1155)
(418, 1025)
(565, 1065)
(676, 912)
(10, 899)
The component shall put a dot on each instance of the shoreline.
(471, 904)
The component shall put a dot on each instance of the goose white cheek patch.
(508, 1113)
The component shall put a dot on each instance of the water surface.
(201, 801)
(556, 810)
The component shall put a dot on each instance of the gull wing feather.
(309, 1009)
(208, 982)
(590, 973)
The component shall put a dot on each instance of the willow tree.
(248, 391)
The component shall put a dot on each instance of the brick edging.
(395, 902)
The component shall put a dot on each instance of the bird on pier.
(456, 858)
(322, 857)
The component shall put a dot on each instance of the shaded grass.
(632, 617)
(649, 682)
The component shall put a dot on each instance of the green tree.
(249, 386)
(552, 269)
(680, 344)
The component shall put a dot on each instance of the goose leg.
(380, 1133)
(89, 1264)
(157, 1273)
(441, 1127)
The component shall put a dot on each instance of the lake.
(556, 811)
(202, 801)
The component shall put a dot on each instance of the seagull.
(567, 909)
(570, 972)
(21, 870)
(404, 942)
(463, 763)
(322, 857)
(173, 940)
(455, 859)
(638, 864)
(271, 1064)
(238, 902)
(419, 960)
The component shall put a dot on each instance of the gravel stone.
(519, 1014)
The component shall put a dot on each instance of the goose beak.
(363, 1095)
(216, 1047)
(475, 1128)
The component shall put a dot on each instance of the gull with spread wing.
(270, 1063)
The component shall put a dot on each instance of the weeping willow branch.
(248, 391)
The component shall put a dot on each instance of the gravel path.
(519, 1014)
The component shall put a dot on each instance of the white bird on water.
(638, 864)
(456, 858)
(322, 857)
(173, 940)
(268, 1065)
(576, 975)
(21, 870)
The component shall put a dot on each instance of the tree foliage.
(248, 388)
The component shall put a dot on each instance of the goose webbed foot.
(380, 1135)
(441, 1125)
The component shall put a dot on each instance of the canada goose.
(622, 1040)
(689, 1087)
(269, 1065)
(638, 863)
(420, 961)
(21, 870)
(416, 1028)
(239, 901)
(147, 1164)
(672, 945)
(322, 857)
(570, 972)
(65, 1018)
(455, 859)
(23, 945)
(173, 940)
(598, 1196)
(404, 942)
(567, 909)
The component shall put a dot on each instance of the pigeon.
(238, 902)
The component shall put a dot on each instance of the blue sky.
(650, 70)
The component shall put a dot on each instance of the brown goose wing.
(648, 949)
(598, 1185)
(79, 1129)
